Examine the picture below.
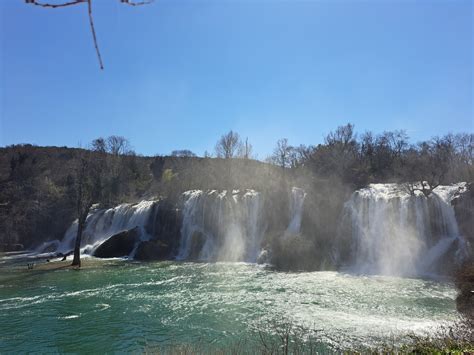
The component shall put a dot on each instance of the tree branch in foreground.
(43, 4)
(91, 20)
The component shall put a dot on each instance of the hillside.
(38, 185)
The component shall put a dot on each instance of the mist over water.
(394, 233)
(296, 210)
(221, 226)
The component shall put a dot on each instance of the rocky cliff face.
(464, 280)
(464, 211)
(119, 245)
(164, 227)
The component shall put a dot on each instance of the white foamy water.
(221, 226)
(104, 223)
(395, 233)
(296, 211)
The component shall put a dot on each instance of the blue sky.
(179, 73)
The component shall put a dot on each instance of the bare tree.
(341, 151)
(464, 145)
(245, 150)
(427, 165)
(228, 145)
(304, 152)
(89, 10)
(398, 141)
(99, 145)
(88, 191)
(118, 145)
(282, 153)
(343, 136)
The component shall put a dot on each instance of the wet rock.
(264, 257)
(197, 243)
(153, 250)
(464, 280)
(118, 245)
(464, 211)
(165, 225)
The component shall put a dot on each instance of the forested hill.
(37, 195)
(38, 184)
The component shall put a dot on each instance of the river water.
(119, 305)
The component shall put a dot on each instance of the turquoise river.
(118, 305)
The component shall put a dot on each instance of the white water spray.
(221, 226)
(102, 224)
(398, 234)
(296, 211)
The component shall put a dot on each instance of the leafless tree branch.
(91, 20)
(43, 4)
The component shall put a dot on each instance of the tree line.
(369, 157)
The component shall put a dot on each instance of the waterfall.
(395, 233)
(296, 211)
(221, 226)
(104, 223)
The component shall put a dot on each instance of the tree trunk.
(77, 247)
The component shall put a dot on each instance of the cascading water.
(221, 226)
(389, 231)
(104, 223)
(296, 211)
(395, 233)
